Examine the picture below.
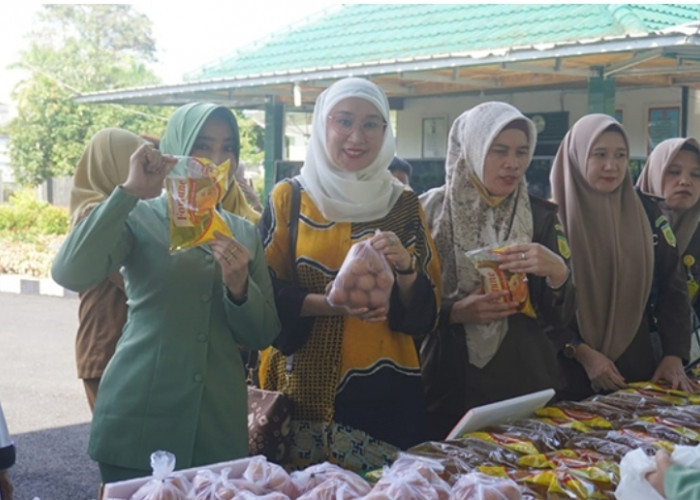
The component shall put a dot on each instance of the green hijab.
(186, 122)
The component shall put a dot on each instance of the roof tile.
(361, 33)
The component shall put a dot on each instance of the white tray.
(498, 412)
(122, 490)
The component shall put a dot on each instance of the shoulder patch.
(665, 227)
(563, 245)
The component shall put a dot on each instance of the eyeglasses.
(371, 128)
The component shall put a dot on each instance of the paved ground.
(43, 400)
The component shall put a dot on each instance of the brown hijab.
(612, 254)
(685, 223)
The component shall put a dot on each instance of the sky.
(187, 34)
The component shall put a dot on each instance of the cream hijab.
(463, 216)
(103, 166)
(343, 196)
(612, 255)
(684, 224)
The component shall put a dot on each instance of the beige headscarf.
(343, 196)
(103, 166)
(612, 255)
(463, 216)
(684, 224)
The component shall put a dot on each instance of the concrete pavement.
(43, 400)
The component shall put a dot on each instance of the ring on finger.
(522, 256)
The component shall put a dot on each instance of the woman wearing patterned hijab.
(102, 310)
(484, 202)
(176, 381)
(353, 374)
(625, 266)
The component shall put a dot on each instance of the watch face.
(569, 351)
(539, 122)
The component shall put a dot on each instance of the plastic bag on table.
(364, 280)
(166, 484)
(410, 484)
(494, 279)
(331, 476)
(270, 477)
(193, 188)
(478, 486)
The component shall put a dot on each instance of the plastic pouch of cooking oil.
(193, 188)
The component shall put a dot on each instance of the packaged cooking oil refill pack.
(193, 188)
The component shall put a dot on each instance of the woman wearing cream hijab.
(616, 257)
(102, 310)
(485, 202)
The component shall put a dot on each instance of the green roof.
(357, 34)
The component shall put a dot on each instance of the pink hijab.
(684, 224)
(612, 254)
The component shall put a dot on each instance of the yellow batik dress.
(356, 385)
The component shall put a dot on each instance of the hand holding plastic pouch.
(495, 279)
(194, 187)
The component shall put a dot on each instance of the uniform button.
(201, 337)
(206, 297)
(198, 377)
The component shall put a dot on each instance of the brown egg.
(378, 298)
(358, 298)
(385, 280)
(348, 281)
(338, 296)
(366, 282)
(359, 267)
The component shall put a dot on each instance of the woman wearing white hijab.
(484, 202)
(355, 374)
(625, 266)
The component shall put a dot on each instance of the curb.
(27, 285)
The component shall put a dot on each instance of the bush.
(30, 233)
(25, 217)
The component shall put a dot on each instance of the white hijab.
(343, 196)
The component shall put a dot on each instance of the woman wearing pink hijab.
(625, 268)
(672, 172)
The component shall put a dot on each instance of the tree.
(252, 140)
(76, 49)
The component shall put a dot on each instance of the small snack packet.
(364, 280)
(194, 188)
(494, 279)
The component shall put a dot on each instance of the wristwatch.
(569, 350)
(411, 267)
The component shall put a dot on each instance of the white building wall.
(634, 105)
